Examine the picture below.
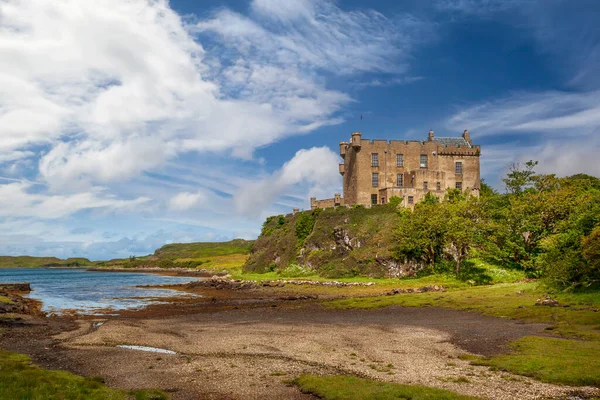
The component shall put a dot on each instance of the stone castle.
(376, 170)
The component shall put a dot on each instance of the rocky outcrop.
(220, 283)
(13, 302)
(343, 242)
(424, 289)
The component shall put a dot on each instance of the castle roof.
(452, 141)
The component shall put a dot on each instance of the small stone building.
(373, 171)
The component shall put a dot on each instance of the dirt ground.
(246, 350)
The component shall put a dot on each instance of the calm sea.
(89, 291)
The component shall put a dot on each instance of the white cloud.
(185, 200)
(318, 34)
(315, 168)
(553, 112)
(16, 200)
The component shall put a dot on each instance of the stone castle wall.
(436, 177)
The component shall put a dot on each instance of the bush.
(295, 271)
(304, 225)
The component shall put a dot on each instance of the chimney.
(466, 135)
(430, 137)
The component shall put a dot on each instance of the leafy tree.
(591, 254)
(430, 198)
(518, 179)
(464, 226)
(419, 235)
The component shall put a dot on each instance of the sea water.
(88, 292)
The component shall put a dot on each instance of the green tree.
(464, 223)
(419, 235)
(518, 179)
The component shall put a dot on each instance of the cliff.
(339, 242)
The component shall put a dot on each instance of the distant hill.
(204, 255)
(33, 262)
(203, 249)
(177, 255)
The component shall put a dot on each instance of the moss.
(20, 379)
(5, 299)
(343, 387)
(564, 361)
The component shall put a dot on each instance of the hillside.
(337, 242)
(33, 262)
(203, 249)
(205, 255)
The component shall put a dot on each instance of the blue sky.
(125, 125)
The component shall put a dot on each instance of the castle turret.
(337, 199)
(343, 147)
(356, 136)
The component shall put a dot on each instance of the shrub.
(295, 270)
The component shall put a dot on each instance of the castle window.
(399, 160)
(373, 199)
(399, 180)
(459, 185)
(438, 186)
(424, 185)
(411, 200)
(458, 167)
(423, 160)
(375, 179)
(374, 160)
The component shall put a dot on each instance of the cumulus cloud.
(185, 200)
(115, 88)
(98, 99)
(316, 168)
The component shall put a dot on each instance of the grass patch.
(5, 299)
(343, 387)
(20, 379)
(570, 362)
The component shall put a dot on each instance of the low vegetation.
(20, 379)
(36, 262)
(202, 255)
(343, 387)
(569, 362)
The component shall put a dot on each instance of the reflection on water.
(89, 291)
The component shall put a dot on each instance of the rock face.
(343, 242)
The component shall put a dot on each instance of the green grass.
(36, 262)
(569, 362)
(203, 249)
(4, 299)
(217, 256)
(20, 379)
(342, 387)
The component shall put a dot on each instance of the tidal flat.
(257, 343)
